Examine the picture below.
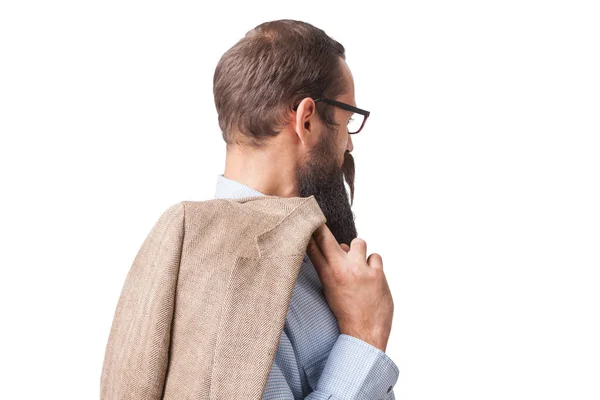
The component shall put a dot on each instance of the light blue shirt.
(313, 360)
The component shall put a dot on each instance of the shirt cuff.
(356, 369)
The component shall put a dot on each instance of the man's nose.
(350, 146)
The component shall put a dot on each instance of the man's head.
(279, 140)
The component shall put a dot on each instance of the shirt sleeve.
(354, 370)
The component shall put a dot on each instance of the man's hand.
(354, 286)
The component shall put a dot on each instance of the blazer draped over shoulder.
(204, 303)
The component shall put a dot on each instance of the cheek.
(342, 146)
(340, 140)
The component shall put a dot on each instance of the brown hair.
(271, 69)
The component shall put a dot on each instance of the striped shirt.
(313, 360)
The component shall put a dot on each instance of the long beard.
(321, 176)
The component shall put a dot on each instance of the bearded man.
(285, 100)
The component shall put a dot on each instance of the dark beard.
(321, 176)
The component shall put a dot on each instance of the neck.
(267, 170)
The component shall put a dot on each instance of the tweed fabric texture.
(204, 303)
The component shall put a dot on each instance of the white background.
(477, 178)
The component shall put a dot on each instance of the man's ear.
(304, 124)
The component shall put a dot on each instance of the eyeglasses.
(358, 119)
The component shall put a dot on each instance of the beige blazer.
(204, 304)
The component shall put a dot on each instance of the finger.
(345, 247)
(327, 242)
(375, 261)
(314, 253)
(359, 247)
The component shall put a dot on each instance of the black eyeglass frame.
(346, 107)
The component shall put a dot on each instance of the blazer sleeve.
(137, 351)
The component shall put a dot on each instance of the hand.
(354, 286)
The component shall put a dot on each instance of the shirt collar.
(229, 188)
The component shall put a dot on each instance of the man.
(285, 99)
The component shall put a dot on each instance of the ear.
(305, 123)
